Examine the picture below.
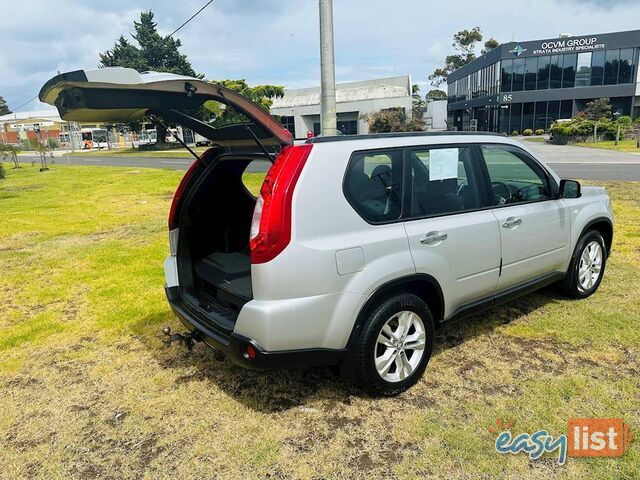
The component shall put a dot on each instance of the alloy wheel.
(400, 346)
(590, 265)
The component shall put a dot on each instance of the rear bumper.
(234, 346)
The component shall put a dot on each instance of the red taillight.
(173, 221)
(251, 352)
(271, 223)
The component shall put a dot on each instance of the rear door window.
(442, 181)
(373, 184)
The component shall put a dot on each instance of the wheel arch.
(603, 225)
(422, 285)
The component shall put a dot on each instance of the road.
(567, 161)
(588, 163)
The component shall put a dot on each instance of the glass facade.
(610, 67)
(480, 83)
(518, 117)
(579, 69)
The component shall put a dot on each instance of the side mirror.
(570, 189)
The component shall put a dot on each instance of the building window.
(528, 113)
(542, 121)
(569, 70)
(516, 117)
(503, 118)
(543, 73)
(553, 111)
(625, 72)
(348, 127)
(530, 73)
(611, 67)
(556, 71)
(507, 74)
(597, 68)
(518, 75)
(289, 123)
(583, 70)
(566, 109)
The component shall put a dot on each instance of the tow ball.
(189, 339)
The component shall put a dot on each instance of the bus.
(94, 138)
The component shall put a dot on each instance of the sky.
(276, 41)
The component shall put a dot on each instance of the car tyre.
(396, 338)
(587, 266)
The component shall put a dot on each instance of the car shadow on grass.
(282, 390)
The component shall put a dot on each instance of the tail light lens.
(271, 223)
(173, 220)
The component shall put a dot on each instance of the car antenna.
(253, 134)
(178, 139)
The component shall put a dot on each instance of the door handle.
(512, 222)
(434, 238)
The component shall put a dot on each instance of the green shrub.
(624, 120)
(527, 132)
(540, 131)
(514, 133)
(2, 174)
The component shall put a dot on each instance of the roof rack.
(342, 138)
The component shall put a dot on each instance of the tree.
(464, 43)
(598, 109)
(436, 94)
(393, 120)
(10, 151)
(489, 45)
(154, 52)
(4, 108)
(418, 106)
(263, 95)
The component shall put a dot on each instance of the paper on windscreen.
(443, 163)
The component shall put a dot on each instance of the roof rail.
(342, 138)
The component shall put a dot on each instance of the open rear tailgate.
(117, 94)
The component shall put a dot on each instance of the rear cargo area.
(213, 247)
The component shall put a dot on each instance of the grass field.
(90, 391)
(623, 145)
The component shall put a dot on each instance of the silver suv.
(358, 247)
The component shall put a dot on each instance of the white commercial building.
(300, 108)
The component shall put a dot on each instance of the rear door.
(119, 94)
(451, 238)
(534, 224)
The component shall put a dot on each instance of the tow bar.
(189, 339)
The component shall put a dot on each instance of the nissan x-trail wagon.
(357, 247)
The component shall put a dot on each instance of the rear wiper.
(178, 139)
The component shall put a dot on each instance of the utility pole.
(327, 70)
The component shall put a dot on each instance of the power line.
(28, 101)
(168, 36)
(190, 18)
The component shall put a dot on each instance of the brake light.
(173, 221)
(271, 222)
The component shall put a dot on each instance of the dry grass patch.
(90, 391)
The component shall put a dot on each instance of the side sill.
(504, 296)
